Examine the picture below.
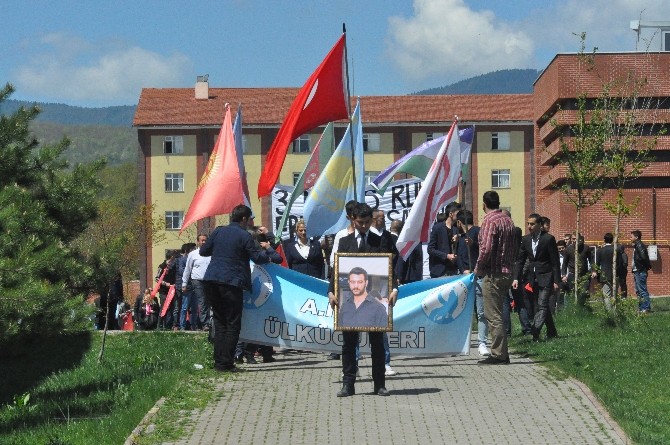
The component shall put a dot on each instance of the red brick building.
(555, 94)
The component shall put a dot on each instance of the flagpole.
(348, 98)
(464, 200)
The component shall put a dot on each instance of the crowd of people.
(200, 287)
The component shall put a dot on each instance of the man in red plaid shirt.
(495, 264)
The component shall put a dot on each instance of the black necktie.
(361, 246)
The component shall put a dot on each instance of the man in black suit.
(543, 273)
(441, 246)
(362, 240)
(410, 270)
(604, 263)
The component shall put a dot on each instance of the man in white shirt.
(349, 208)
(194, 272)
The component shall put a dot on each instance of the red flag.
(280, 251)
(168, 300)
(157, 286)
(322, 99)
(220, 188)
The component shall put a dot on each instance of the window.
(173, 145)
(173, 220)
(296, 176)
(301, 145)
(500, 141)
(174, 182)
(369, 176)
(432, 136)
(500, 179)
(371, 141)
(244, 144)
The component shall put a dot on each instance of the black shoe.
(333, 356)
(251, 360)
(382, 392)
(239, 359)
(491, 360)
(346, 391)
(269, 359)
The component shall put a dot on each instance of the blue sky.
(101, 52)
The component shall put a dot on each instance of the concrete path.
(450, 400)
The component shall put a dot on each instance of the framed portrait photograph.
(363, 282)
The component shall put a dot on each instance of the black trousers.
(349, 358)
(226, 303)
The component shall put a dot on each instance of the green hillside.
(515, 81)
(90, 142)
(118, 116)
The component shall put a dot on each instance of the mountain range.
(107, 132)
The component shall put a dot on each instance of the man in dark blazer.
(604, 261)
(228, 274)
(441, 245)
(410, 270)
(362, 240)
(543, 273)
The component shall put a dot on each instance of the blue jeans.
(482, 325)
(387, 350)
(641, 290)
(189, 303)
(203, 303)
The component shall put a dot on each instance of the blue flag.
(324, 208)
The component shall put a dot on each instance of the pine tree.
(44, 206)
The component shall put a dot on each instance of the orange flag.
(220, 188)
(322, 99)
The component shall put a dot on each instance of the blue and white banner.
(288, 309)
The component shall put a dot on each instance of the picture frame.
(371, 277)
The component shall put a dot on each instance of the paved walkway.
(450, 400)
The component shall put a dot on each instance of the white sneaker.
(483, 350)
(389, 371)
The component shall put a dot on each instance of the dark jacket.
(584, 253)
(467, 260)
(641, 261)
(412, 269)
(439, 246)
(543, 266)
(231, 247)
(349, 244)
(604, 260)
(312, 265)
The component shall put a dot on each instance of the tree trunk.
(577, 257)
(104, 331)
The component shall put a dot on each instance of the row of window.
(174, 182)
(174, 219)
(371, 142)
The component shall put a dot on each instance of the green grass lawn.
(55, 392)
(628, 368)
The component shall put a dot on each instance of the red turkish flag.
(321, 100)
(220, 188)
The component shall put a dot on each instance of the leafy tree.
(610, 147)
(582, 156)
(44, 206)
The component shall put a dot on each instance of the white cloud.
(74, 71)
(448, 41)
(557, 26)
